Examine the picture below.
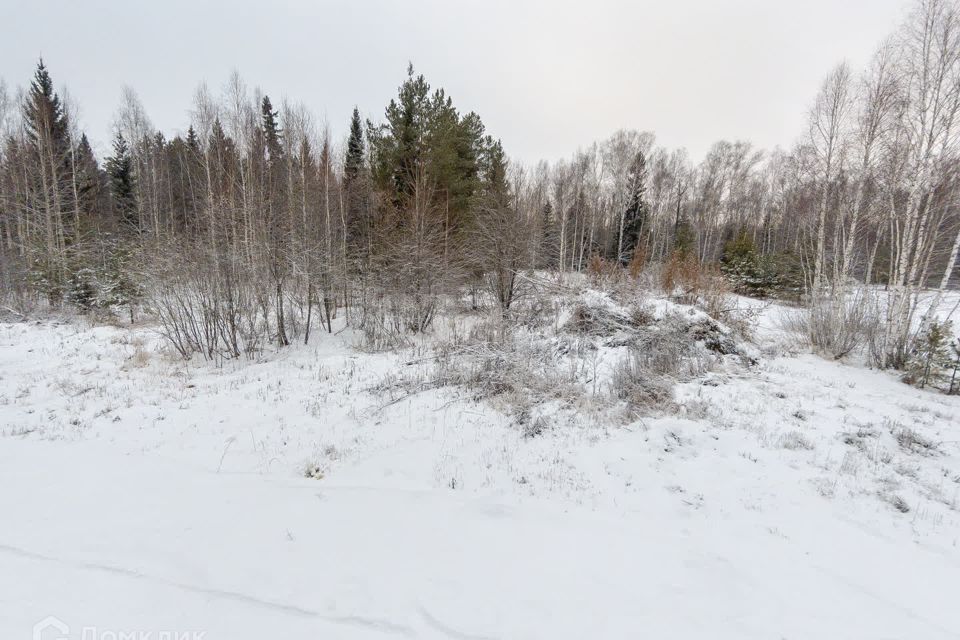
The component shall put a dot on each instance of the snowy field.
(293, 497)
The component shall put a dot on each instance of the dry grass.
(834, 326)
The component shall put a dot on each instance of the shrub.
(44, 277)
(672, 348)
(741, 265)
(835, 326)
(714, 294)
(118, 283)
(603, 272)
(760, 276)
(642, 389)
(82, 289)
(913, 442)
(795, 440)
(637, 261)
(954, 365)
(682, 276)
(788, 275)
(930, 356)
(217, 310)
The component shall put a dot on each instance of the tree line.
(254, 226)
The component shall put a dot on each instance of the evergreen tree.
(356, 185)
(684, 239)
(400, 140)
(273, 150)
(118, 282)
(499, 240)
(185, 194)
(635, 219)
(122, 182)
(45, 119)
(49, 183)
(223, 153)
(931, 355)
(353, 164)
(548, 237)
(89, 180)
(743, 266)
(495, 185)
(272, 133)
(954, 364)
(192, 140)
(278, 233)
(189, 179)
(424, 137)
(454, 150)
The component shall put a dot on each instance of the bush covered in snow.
(606, 352)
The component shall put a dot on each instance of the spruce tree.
(548, 237)
(89, 180)
(44, 117)
(47, 164)
(684, 238)
(272, 134)
(273, 148)
(425, 138)
(356, 185)
(954, 363)
(192, 140)
(635, 219)
(223, 153)
(278, 235)
(495, 179)
(122, 182)
(353, 164)
(931, 355)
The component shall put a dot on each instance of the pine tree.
(400, 140)
(122, 183)
(454, 149)
(425, 137)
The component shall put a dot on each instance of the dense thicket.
(254, 226)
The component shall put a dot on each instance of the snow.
(142, 494)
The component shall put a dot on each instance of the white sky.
(546, 76)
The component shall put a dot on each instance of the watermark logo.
(51, 628)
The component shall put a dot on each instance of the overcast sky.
(546, 76)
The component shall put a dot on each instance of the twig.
(230, 441)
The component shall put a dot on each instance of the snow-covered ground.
(797, 498)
